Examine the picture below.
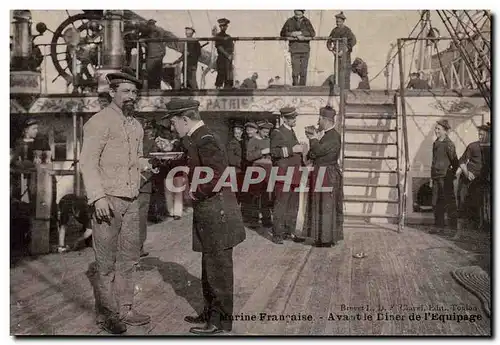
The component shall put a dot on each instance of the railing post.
(40, 232)
(403, 185)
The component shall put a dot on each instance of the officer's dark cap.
(303, 11)
(124, 76)
(238, 125)
(223, 21)
(288, 112)
(177, 106)
(327, 112)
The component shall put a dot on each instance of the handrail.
(405, 130)
(236, 38)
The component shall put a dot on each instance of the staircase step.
(364, 184)
(369, 129)
(369, 200)
(371, 157)
(368, 215)
(370, 117)
(364, 143)
(370, 170)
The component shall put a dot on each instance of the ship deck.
(52, 295)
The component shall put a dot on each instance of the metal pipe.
(137, 60)
(22, 45)
(113, 44)
(185, 63)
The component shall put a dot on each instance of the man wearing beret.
(225, 57)
(235, 154)
(111, 161)
(444, 166)
(325, 216)
(342, 53)
(193, 55)
(259, 154)
(469, 183)
(217, 223)
(286, 152)
(249, 208)
(298, 28)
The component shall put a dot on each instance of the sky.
(375, 31)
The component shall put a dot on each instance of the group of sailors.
(265, 145)
(461, 188)
(298, 29)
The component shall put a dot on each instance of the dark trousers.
(300, 62)
(255, 202)
(144, 199)
(116, 247)
(225, 76)
(190, 78)
(443, 201)
(286, 208)
(344, 62)
(217, 283)
(154, 67)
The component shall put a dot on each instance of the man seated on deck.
(417, 83)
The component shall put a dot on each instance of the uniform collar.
(287, 126)
(195, 127)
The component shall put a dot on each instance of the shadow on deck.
(52, 295)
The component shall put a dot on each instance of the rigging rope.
(396, 54)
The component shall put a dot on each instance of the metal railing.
(65, 61)
(444, 66)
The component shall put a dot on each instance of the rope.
(396, 53)
(438, 55)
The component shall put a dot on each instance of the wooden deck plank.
(287, 279)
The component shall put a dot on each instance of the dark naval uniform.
(286, 203)
(234, 156)
(299, 50)
(217, 223)
(344, 59)
(325, 213)
(443, 168)
(225, 50)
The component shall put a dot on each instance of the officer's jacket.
(217, 223)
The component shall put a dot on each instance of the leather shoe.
(277, 240)
(113, 325)
(200, 319)
(134, 318)
(297, 238)
(323, 245)
(207, 329)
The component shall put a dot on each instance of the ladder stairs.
(371, 160)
